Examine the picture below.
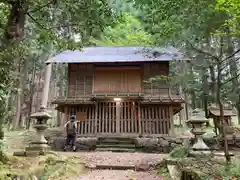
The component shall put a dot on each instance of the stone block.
(82, 144)
(142, 167)
(163, 142)
(58, 143)
(89, 141)
(38, 148)
(20, 153)
(149, 142)
(32, 153)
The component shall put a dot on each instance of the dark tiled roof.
(118, 54)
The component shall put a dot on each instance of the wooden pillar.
(139, 119)
(46, 85)
(65, 119)
(171, 131)
(96, 118)
(117, 116)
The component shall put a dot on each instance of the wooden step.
(116, 146)
(115, 149)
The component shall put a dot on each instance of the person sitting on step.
(70, 131)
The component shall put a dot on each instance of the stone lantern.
(39, 145)
(196, 123)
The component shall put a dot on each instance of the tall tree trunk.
(192, 92)
(31, 94)
(222, 122)
(234, 75)
(25, 87)
(219, 102)
(205, 91)
(60, 116)
(13, 34)
(213, 80)
(15, 122)
(20, 94)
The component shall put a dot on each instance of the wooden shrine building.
(110, 93)
(214, 113)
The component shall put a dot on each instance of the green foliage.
(231, 8)
(163, 172)
(230, 170)
(179, 152)
(124, 6)
(128, 32)
(51, 166)
(175, 21)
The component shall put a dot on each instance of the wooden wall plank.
(80, 79)
(117, 81)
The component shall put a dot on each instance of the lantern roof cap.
(197, 117)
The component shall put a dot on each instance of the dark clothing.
(71, 139)
(71, 128)
(71, 134)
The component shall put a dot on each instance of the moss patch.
(51, 166)
(163, 172)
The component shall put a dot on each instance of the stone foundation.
(150, 145)
(161, 144)
(82, 144)
(164, 144)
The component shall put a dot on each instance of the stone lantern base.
(39, 145)
(200, 149)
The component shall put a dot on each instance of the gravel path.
(110, 158)
(119, 175)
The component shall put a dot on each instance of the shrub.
(179, 152)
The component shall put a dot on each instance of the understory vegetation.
(51, 166)
(207, 168)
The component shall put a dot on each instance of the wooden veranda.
(130, 118)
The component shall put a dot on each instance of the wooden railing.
(153, 126)
(129, 126)
(106, 126)
(90, 127)
(86, 127)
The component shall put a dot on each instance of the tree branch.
(7, 1)
(237, 51)
(203, 52)
(230, 79)
(51, 28)
(223, 67)
(43, 6)
(31, 17)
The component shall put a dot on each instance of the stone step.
(111, 167)
(115, 139)
(115, 149)
(112, 141)
(116, 146)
